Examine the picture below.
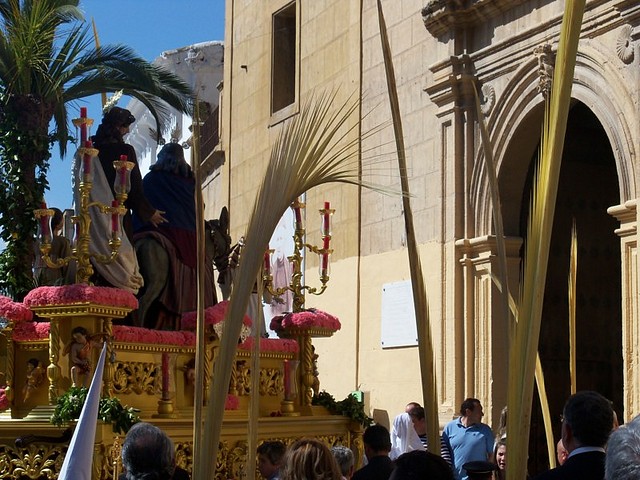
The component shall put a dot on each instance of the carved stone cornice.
(442, 16)
(452, 82)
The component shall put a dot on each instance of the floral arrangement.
(214, 316)
(310, 318)
(80, 293)
(14, 311)
(4, 401)
(69, 406)
(272, 345)
(123, 333)
(31, 331)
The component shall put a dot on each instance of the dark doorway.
(588, 186)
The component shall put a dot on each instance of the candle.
(287, 380)
(267, 262)
(165, 376)
(83, 125)
(123, 171)
(298, 214)
(114, 216)
(326, 219)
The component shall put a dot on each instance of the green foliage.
(349, 407)
(69, 406)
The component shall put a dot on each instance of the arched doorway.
(588, 186)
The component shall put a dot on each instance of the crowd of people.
(592, 447)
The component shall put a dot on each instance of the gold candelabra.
(296, 286)
(80, 251)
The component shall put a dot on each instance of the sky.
(149, 27)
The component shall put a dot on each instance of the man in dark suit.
(377, 445)
(586, 424)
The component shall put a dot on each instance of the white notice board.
(398, 327)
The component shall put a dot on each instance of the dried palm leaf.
(522, 353)
(573, 281)
(315, 147)
(500, 278)
(421, 304)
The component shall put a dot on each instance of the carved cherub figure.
(79, 348)
(35, 376)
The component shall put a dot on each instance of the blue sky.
(149, 27)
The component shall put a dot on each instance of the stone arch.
(520, 112)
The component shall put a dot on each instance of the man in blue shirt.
(466, 439)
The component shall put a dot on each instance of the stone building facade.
(281, 51)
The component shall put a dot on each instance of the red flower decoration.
(31, 331)
(311, 318)
(144, 335)
(212, 315)
(80, 293)
(272, 345)
(14, 311)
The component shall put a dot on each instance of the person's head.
(411, 405)
(80, 335)
(171, 159)
(115, 124)
(344, 459)
(417, 418)
(270, 455)
(471, 410)
(57, 220)
(587, 420)
(377, 441)
(148, 453)
(310, 459)
(561, 452)
(623, 452)
(500, 454)
(479, 470)
(419, 464)
(32, 364)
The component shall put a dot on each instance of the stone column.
(628, 232)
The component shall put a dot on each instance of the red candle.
(114, 216)
(267, 262)
(287, 380)
(298, 214)
(326, 229)
(123, 172)
(165, 376)
(86, 163)
(83, 126)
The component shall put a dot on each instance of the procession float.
(51, 340)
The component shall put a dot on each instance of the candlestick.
(86, 162)
(45, 228)
(122, 182)
(326, 219)
(115, 216)
(297, 213)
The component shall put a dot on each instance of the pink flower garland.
(16, 312)
(212, 316)
(80, 293)
(284, 345)
(31, 331)
(311, 318)
(144, 335)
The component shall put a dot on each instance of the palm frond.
(315, 147)
(421, 304)
(523, 351)
(573, 282)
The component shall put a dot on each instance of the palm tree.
(47, 60)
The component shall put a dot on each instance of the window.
(284, 56)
